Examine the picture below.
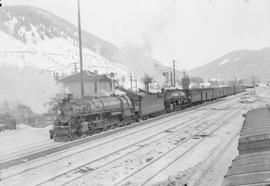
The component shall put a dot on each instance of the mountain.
(30, 36)
(240, 63)
(33, 37)
(34, 44)
(20, 21)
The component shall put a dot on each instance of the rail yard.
(183, 147)
(134, 93)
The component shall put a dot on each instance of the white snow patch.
(11, 23)
(23, 136)
(54, 54)
(236, 59)
(224, 61)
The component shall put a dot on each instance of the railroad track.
(99, 144)
(87, 165)
(28, 149)
(145, 181)
(12, 159)
(139, 145)
(199, 176)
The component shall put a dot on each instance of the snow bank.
(24, 136)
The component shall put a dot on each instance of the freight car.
(76, 117)
(252, 166)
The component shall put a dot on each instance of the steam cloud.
(139, 59)
(28, 86)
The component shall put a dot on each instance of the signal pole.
(173, 72)
(80, 49)
(130, 77)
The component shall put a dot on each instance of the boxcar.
(252, 166)
(253, 169)
(207, 94)
(195, 96)
(255, 133)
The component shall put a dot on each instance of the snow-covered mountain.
(237, 64)
(34, 37)
(34, 43)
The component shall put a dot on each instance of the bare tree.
(146, 81)
(254, 80)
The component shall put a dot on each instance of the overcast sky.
(193, 32)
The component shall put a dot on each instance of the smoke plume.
(27, 86)
(139, 59)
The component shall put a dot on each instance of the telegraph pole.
(80, 49)
(130, 76)
(173, 72)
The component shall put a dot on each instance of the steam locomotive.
(78, 117)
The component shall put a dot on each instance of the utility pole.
(80, 49)
(130, 76)
(173, 72)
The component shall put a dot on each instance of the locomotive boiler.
(76, 117)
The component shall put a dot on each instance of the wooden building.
(94, 84)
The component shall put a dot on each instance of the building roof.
(88, 76)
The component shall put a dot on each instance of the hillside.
(34, 37)
(30, 36)
(240, 64)
(35, 43)
(27, 23)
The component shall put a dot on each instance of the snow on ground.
(47, 167)
(24, 136)
(72, 161)
(60, 162)
(207, 165)
(149, 152)
(195, 164)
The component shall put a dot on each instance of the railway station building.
(94, 84)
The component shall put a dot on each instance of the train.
(87, 116)
(252, 165)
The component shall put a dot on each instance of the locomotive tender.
(77, 117)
